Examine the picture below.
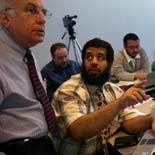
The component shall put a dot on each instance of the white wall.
(107, 19)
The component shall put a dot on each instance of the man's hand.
(134, 95)
(141, 76)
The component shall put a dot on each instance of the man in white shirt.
(23, 127)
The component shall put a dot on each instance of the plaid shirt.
(74, 99)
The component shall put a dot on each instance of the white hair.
(5, 4)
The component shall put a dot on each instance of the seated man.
(89, 108)
(131, 63)
(59, 69)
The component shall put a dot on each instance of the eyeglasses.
(133, 47)
(33, 11)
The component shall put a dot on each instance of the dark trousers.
(40, 146)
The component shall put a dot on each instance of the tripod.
(75, 44)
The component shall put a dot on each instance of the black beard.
(93, 80)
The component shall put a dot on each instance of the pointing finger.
(140, 84)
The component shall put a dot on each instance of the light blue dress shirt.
(21, 115)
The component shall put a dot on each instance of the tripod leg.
(77, 52)
(69, 44)
(78, 45)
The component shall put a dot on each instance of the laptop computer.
(146, 145)
(149, 87)
(150, 80)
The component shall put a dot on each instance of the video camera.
(68, 21)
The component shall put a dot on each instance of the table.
(143, 108)
(126, 150)
(127, 83)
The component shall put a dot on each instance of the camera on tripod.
(68, 21)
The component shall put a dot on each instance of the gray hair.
(5, 4)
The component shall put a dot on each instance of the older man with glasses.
(23, 120)
(131, 63)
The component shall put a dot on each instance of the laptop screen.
(146, 146)
(150, 80)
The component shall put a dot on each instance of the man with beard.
(82, 116)
(59, 69)
(131, 63)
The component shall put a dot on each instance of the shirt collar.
(92, 88)
(129, 59)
